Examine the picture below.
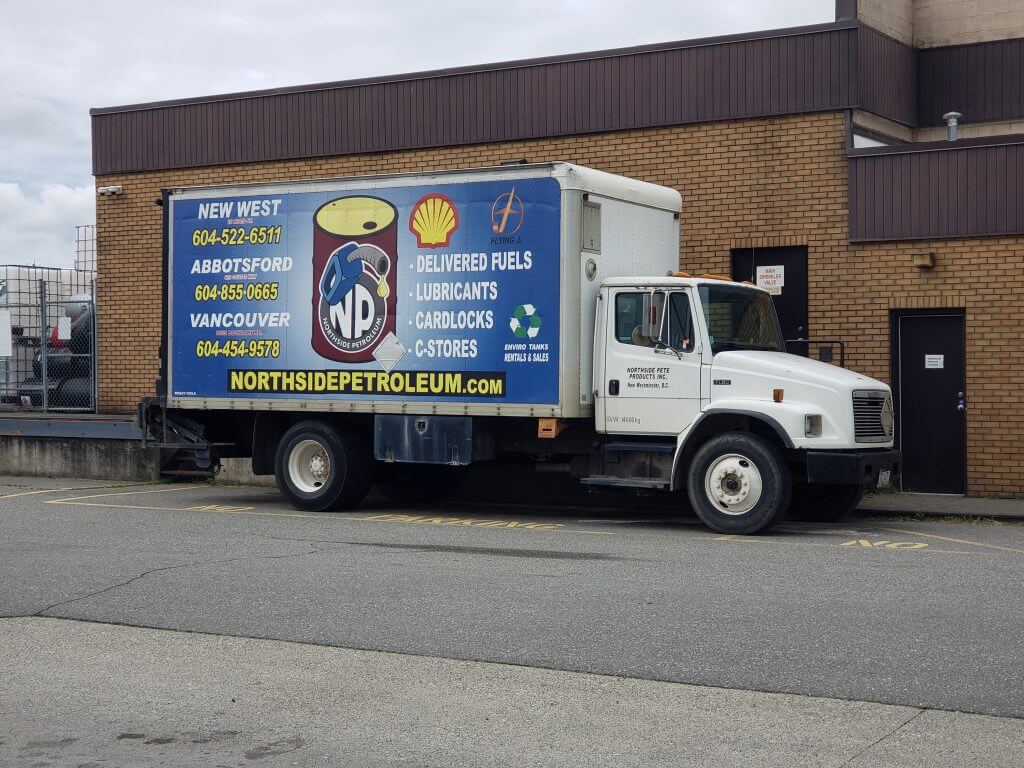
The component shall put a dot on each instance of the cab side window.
(629, 319)
(680, 323)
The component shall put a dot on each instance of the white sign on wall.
(6, 344)
(934, 361)
(771, 278)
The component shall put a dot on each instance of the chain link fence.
(47, 339)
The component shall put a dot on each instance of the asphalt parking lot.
(925, 615)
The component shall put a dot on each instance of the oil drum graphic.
(355, 247)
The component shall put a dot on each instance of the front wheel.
(738, 483)
(319, 468)
(824, 503)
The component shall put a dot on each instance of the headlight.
(812, 425)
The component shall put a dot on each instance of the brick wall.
(755, 183)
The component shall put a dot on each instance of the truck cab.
(692, 374)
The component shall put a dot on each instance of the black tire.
(348, 474)
(417, 483)
(733, 457)
(823, 503)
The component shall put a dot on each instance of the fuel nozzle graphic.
(347, 265)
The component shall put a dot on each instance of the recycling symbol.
(525, 322)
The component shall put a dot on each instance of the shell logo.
(433, 220)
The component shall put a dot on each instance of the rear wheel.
(738, 483)
(824, 503)
(319, 468)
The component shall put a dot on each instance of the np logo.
(354, 258)
(353, 293)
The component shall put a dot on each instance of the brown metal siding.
(984, 81)
(886, 76)
(786, 74)
(938, 193)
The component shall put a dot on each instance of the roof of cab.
(677, 280)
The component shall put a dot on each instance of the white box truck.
(392, 329)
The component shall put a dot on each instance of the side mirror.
(654, 314)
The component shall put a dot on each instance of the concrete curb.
(942, 506)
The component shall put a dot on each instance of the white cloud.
(40, 229)
(61, 57)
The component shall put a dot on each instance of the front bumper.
(852, 467)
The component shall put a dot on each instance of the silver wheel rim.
(733, 484)
(309, 465)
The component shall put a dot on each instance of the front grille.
(872, 416)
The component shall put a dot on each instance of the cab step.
(625, 482)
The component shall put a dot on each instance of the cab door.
(652, 371)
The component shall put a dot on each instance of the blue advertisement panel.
(442, 293)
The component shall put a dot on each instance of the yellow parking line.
(56, 490)
(89, 501)
(122, 493)
(200, 508)
(81, 501)
(954, 540)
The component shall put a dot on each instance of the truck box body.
(463, 293)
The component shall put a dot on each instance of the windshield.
(740, 318)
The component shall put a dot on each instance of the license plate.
(884, 477)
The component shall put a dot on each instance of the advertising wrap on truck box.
(445, 293)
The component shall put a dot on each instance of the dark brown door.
(931, 399)
(784, 272)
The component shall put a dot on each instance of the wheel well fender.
(269, 426)
(715, 421)
(266, 432)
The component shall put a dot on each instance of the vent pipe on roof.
(952, 123)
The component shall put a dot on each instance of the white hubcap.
(309, 466)
(733, 484)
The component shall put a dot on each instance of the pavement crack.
(883, 737)
(42, 612)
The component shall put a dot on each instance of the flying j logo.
(354, 259)
(507, 213)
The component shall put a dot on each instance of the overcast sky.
(59, 58)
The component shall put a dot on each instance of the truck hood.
(784, 367)
(745, 380)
